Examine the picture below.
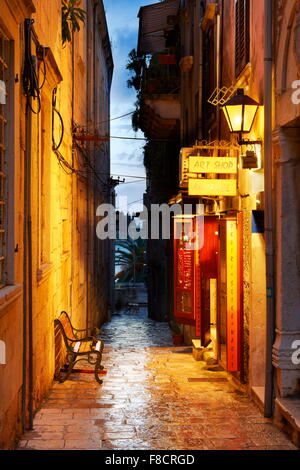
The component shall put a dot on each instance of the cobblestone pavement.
(154, 396)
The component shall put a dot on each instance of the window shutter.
(242, 35)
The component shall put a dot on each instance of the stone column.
(287, 210)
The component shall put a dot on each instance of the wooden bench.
(80, 345)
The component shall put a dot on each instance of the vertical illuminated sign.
(184, 270)
(232, 297)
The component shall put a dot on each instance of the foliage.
(130, 255)
(72, 15)
(160, 159)
(136, 65)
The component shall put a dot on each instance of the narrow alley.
(142, 403)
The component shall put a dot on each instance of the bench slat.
(65, 321)
(77, 346)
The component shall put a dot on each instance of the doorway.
(230, 294)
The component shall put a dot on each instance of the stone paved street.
(154, 396)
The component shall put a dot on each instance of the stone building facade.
(52, 180)
(223, 47)
(286, 154)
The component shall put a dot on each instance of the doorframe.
(240, 297)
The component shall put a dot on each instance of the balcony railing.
(161, 79)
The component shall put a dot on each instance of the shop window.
(242, 35)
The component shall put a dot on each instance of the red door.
(194, 269)
(185, 259)
(208, 256)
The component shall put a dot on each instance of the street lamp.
(240, 112)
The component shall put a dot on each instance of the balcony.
(160, 111)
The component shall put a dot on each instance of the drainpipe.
(219, 59)
(25, 320)
(30, 321)
(73, 181)
(269, 230)
(27, 282)
(200, 88)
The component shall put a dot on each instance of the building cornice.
(103, 29)
(20, 9)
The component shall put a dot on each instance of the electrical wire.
(87, 161)
(124, 137)
(138, 138)
(56, 146)
(44, 73)
(129, 176)
(29, 77)
(133, 182)
(112, 119)
(133, 202)
(64, 164)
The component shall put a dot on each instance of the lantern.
(240, 112)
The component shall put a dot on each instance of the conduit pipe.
(27, 388)
(269, 230)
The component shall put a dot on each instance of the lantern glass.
(249, 115)
(234, 116)
(240, 112)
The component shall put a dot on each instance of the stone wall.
(72, 270)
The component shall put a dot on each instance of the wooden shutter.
(242, 35)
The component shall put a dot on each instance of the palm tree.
(130, 255)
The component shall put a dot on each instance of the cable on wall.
(56, 146)
(29, 77)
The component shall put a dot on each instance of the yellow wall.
(71, 268)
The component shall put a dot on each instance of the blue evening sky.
(126, 155)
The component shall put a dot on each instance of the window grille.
(4, 70)
(242, 35)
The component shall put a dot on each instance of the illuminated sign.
(222, 165)
(232, 297)
(184, 271)
(212, 187)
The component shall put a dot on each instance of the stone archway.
(286, 139)
(287, 60)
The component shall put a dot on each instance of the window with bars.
(4, 79)
(242, 35)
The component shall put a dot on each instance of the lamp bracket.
(249, 142)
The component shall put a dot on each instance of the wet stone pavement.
(154, 396)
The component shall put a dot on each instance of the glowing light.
(240, 112)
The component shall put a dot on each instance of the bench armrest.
(87, 331)
(86, 339)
